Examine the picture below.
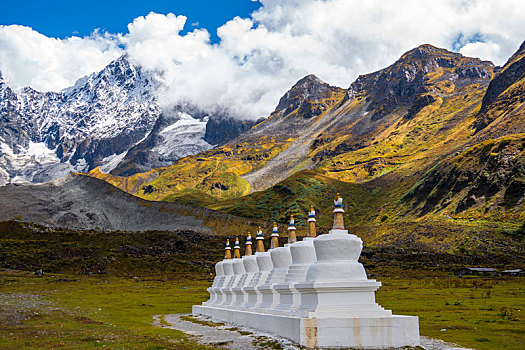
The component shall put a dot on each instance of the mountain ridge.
(385, 132)
(97, 122)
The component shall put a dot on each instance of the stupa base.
(325, 332)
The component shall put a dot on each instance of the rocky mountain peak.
(425, 52)
(414, 74)
(307, 95)
(504, 94)
(517, 55)
(97, 122)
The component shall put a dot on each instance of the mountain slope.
(383, 122)
(107, 118)
(82, 202)
(487, 180)
(416, 110)
(503, 111)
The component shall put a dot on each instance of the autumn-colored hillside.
(434, 136)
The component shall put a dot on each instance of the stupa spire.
(275, 236)
(248, 250)
(292, 238)
(338, 213)
(237, 249)
(260, 241)
(228, 249)
(311, 223)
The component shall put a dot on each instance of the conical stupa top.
(259, 234)
(311, 214)
(248, 250)
(228, 249)
(260, 241)
(236, 249)
(338, 213)
(275, 231)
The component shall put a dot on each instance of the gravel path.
(224, 336)
(232, 337)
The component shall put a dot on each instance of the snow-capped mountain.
(94, 123)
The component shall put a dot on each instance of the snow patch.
(40, 151)
(36, 163)
(110, 162)
(184, 137)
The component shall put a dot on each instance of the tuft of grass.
(202, 322)
(267, 343)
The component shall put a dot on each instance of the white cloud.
(28, 58)
(259, 58)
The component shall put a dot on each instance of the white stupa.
(303, 255)
(313, 292)
(250, 266)
(227, 269)
(265, 266)
(281, 259)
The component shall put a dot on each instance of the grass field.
(81, 312)
(478, 312)
(85, 312)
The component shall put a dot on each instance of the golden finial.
(248, 251)
(237, 249)
(292, 238)
(275, 236)
(228, 254)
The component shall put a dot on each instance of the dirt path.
(222, 335)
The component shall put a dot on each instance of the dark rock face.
(419, 103)
(220, 130)
(400, 84)
(512, 72)
(473, 72)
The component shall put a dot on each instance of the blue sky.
(261, 53)
(65, 18)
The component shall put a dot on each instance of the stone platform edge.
(357, 332)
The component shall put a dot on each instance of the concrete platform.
(337, 332)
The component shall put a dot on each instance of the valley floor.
(85, 312)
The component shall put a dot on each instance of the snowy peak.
(100, 121)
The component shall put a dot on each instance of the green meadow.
(86, 312)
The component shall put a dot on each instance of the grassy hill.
(434, 139)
